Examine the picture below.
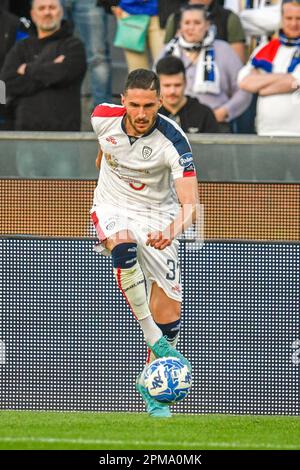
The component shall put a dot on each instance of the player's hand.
(158, 240)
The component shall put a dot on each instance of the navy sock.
(170, 330)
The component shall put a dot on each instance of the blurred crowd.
(230, 67)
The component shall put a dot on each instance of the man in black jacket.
(43, 74)
(193, 117)
(12, 29)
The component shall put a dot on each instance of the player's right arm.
(179, 159)
(98, 159)
(188, 196)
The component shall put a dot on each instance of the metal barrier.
(218, 158)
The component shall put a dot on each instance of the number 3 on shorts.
(173, 267)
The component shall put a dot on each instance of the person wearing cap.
(273, 72)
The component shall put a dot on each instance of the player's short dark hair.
(143, 79)
(170, 65)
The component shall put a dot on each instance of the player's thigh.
(123, 236)
(164, 309)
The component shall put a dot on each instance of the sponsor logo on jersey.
(186, 159)
(111, 139)
(137, 186)
(110, 226)
(111, 160)
(189, 168)
(146, 152)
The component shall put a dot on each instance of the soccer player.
(146, 167)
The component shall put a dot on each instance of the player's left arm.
(188, 196)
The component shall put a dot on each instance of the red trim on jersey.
(189, 173)
(100, 233)
(121, 289)
(108, 111)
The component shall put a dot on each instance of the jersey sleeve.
(179, 155)
(182, 166)
(104, 115)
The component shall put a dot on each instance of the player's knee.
(123, 236)
(170, 330)
(165, 312)
(124, 255)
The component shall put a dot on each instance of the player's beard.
(144, 121)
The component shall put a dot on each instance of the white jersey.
(278, 114)
(138, 173)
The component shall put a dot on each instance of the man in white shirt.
(273, 72)
(145, 159)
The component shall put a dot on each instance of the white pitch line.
(161, 444)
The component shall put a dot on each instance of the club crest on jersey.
(146, 152)
(186, 160)
(111, 139)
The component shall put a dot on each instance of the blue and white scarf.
(207, 75)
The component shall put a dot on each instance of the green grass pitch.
(52, 430)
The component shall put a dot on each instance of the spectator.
(155, 34)
(259, 18)
(211, 66)
(273, 72)
(12, 29)
(91, 22)
(165, 8)
(43, 74)
(20, 8)
(192, 116)
(228, 25)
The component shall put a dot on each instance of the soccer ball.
(168, 380)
